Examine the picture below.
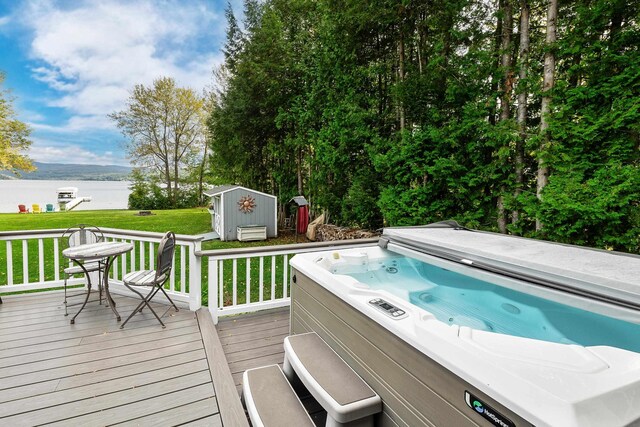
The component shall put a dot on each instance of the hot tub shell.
(425, 371)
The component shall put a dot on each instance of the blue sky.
(70, 63)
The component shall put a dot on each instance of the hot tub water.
(461, 300)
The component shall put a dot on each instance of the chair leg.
(66, 312)
(136, 309)
(133, 313)
(170, 300)
(148, 299)
(145, 301)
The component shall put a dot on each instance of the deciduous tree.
(165, 127)
(14, 136)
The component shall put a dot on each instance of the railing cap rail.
(284, 248)
(129, 233)
(153, 234)
(23, 233)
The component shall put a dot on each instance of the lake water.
(104, 194)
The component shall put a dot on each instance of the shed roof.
(299, 200)
(221, 189)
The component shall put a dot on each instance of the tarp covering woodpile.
(327, 232)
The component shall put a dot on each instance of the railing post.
(195, 277)
(213, 289)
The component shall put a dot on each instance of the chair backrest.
(22, 208)
(49, 207)
(166, 248)
(82, 234)
(35, 208)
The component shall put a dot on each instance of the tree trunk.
(401, 60)
(176, 171)
(494, 80)
(299, 170)
(201, 174)
(545, 108)
(522, 104)
(167, 177)
(506, 60)
(502, 222)
(507, 87)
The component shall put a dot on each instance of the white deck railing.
(233, 281)
(256, 278)
(22, 273)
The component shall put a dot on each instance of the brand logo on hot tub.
(486, 411)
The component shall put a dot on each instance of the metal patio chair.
(155, 279)
(82, 234)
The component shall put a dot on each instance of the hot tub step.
(345, 396)
(270, 400)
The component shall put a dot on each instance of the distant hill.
(73, 172)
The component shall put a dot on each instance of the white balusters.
(9, 263)
(183, 269)
(248, 282)
(40, 247)
(261, 280)
(25, 262)
(273, 277)
(141, 255)
(285, 275)
(56, 259)
(40, 260)
(235, 281)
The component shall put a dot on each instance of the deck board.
(234, 414)
(94, 373)
(251, 341)
(80, 352)
(96, 377)
(196, 413)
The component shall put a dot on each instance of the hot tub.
(456, 327)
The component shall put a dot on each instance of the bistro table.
(104, 252)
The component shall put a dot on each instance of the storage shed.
(239, 213)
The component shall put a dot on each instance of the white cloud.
(77, 124)
(93, 52)
(4, 20)
(51, 77)
(28, 115)
(47, 152)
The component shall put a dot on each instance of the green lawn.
(181, 221)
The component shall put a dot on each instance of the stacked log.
(327, 232)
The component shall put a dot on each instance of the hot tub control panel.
(387, 308)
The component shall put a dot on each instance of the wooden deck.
(94, 373)
(253, 340)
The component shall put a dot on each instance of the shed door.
(217, 215)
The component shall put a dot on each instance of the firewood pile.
(327, 232)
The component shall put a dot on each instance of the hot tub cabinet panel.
(416, 391)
